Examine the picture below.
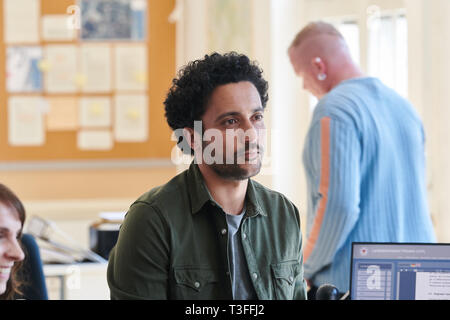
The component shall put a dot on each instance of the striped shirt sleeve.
(333, 159)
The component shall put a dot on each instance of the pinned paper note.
(138, 4)
(44, 106)
(95, 140)
(131, 68)
(21, 21)
(131, 118)
(105, 20)
(22, 69)
(96, 66)
(95, 112)
(55, 28)
(62, 76)
(25, 121)
(62, 114)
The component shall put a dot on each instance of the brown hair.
(313, 29)
(8, 198)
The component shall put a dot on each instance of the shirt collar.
(253, 208)
(200, 195)
(197, 190)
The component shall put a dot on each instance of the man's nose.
(251, 134)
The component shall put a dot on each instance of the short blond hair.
(313, 29)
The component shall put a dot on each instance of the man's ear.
(188, 134)
(193, 138)
(318, 65)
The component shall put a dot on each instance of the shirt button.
(244, 236)
(197, 284)
(224, 231)
(255, 276)
(291, 278)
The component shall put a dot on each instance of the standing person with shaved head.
(364, 159)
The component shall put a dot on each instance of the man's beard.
(235, 171)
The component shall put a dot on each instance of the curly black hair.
(190, 92)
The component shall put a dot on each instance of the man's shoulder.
(267, 192)
(269, 198)
(343, 105)
(164, 195)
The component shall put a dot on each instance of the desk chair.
(32, 272)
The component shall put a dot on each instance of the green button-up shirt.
(173, 244)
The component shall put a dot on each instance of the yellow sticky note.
(96, 109)
(80, 80)
(141, 77)
(133, 114)
(44, 65)
(95, 112)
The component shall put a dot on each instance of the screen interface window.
(400, 272)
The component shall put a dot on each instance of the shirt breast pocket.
(284, 275)
(192, 283)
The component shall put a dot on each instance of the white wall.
(429, 66)
(290, 108)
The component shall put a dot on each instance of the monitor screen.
(387, 271)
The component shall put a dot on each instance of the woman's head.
(12, 219)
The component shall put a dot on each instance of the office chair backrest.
(32, 272)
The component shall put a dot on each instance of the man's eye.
(259, 117)
(230, 121)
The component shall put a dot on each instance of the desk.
(80, 281)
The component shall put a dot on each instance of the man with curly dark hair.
(212, 232)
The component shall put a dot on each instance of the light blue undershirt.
(241, 283)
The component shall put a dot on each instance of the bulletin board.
(63, 145)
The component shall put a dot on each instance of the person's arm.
(333, 158)
(139, 263)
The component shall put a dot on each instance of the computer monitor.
(400, 271)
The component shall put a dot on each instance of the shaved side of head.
(321, 56)
(314, 29)
(320, 39)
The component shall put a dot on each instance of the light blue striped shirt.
(364, 161)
